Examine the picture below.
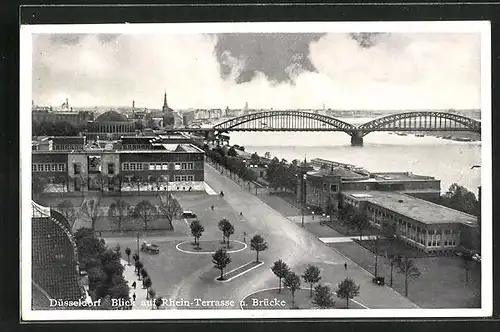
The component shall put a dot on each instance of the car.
(188, 214)
(476, 257)
(151, 248)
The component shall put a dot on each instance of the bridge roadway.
(287, 241)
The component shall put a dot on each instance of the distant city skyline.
(365, 71)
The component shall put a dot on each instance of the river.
(447, 160)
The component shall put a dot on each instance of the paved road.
(287, 241)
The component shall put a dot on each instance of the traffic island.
(210, 247)
(235, 273)
(272, 299)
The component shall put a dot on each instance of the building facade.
(419, 223)
(131, 167)
(110, 125)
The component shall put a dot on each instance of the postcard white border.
(482, 27)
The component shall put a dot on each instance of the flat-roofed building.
(133, 164)
(422, 224)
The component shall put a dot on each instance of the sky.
(375, 71)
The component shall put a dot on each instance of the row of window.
(68, 147)
(164, 178)
(157, 166)
(333, 188)
(136, 146)
(48, 167)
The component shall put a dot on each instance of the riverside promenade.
(287, 241)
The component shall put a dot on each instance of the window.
(164, 166)
(53, 167)
(177, 166)
(47, 167)
(139, 167)
(333, 188)
(190, 178)
(61, 167)
(177, 178)
(190, 166)
(40, 167)
(132, 166)
(126, 166)
(33, 167)
(111, 168)
(183, 178)
(158, 167)
(184, 165)
(77, 168)
(151, 167)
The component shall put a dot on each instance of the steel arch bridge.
(284, 121)
(306, 121)
(422, 121)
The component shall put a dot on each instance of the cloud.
(344, 71)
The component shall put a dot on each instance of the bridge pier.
(357, 138)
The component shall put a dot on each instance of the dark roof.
(68, 140)
(111, 116)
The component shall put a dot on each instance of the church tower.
(168, 113)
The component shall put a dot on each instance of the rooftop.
(414, 208)
(400, 176)
(343, 172)
(111, 116)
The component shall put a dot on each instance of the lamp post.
(138, 255)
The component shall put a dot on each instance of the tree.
(147, 282)
(138, 181)
(221, 259)
(158, 302)
(257, 244)
(267, 155)
(228, 230)
(347, 289)
(360, 220)
(146, 211)
(135, 256)
(394, 259)
(331, 207)
(128, 251)
(254, 158)
(280, 269)
(119, 211)
(222, 224)
(232, 152)
(410, 270)
(311, 276)
(68, 211)
(91, 208)
(144, 274)
(152, 294)
(323, 297)
(38, 184)
(197, 230)
(292, 282)
(466, 259)
(460, 198)
(138, 267)
(170, 209)
(89, 248)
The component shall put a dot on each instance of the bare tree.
(146, 211)
(68, 211)
(91, 208)
(170, 209)
(119, 211)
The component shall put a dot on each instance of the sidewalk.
(140, 293)
(345, 239)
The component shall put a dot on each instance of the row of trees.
(62, 128)
(147, 281)
(322, 296)
(230, 160)
(103, 267)
(120, 211)
(460, 198)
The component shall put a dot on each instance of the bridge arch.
(284, 121)
(424, 121)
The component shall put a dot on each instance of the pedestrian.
(134, 284)
(345, 266)
(212, 207)
(241, 213)
(245, 237)
(133, 297)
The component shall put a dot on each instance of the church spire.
(165, 105)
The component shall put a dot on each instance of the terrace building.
(419, 223)
(131, 164)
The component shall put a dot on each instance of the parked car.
(188, 214)
(151, 248)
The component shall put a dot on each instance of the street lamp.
(138, 257)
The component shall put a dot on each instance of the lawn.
(385, 246)
(441, 284)
(210, 246)
(242, 269)
(283, 300)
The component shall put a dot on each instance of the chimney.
(67, 104)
